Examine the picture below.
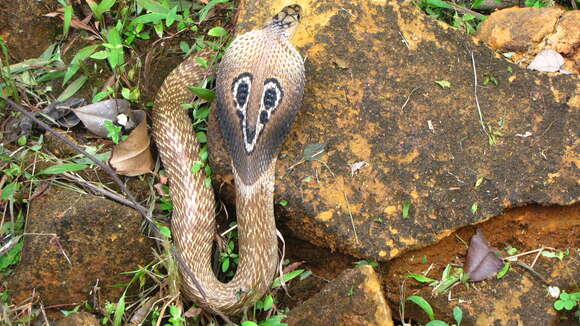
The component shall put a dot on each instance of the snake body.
(259, 89)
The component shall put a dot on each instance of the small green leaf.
(509, 69)
(474, 208)
(225, 265)
(205, 10)
(196, 167)
(126, 93)
(314, 151)
(268, 303)
(105, 5)
(154, 7)
(100, 55)
(184, 46)
(305, 275)
(201, 137)
(202, 93)
(457, 315)
(559, 255)
(501, 273)
(22, 140)
(420, 278)
(479, 182)
(119, 311)
(68, 11)
(287, 277)
(72, 88)
(443, 83)
(423, 304)
(283, 203)
(62, 168)
(202, 62)
(438, 4)
(249, 323)
(217, 31)
(9, 191)
(406, 207)
(171, 16)
(436, 323)
(165, 231)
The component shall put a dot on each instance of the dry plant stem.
(532, 271)
(476, 98)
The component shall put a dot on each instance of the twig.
(409, 97)
(475, 94)
(510, 258)
(532, 271)
(109, 194)
(351, 218)
(404, 40)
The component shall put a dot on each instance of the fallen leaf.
(94, 115)
(547, 60)
(132, 156)
(314, 151)
(482, 262)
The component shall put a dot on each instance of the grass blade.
(72, 88)
(423, 304)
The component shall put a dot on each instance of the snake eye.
(241, 90)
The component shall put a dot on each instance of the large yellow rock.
(372, 93)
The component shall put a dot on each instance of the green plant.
(454, 14)
(567, 301)
(426, 307)
(227, 258)
(114, 131)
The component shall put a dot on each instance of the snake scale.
(259, 88)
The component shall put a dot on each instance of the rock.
(519, 298)
(355, 297)
(527, 31)
(371, 94)
(96, 240)
(79, 319)
(25, 29)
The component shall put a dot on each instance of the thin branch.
(476, 99)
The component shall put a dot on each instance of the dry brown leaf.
(94, 115)
(132, 156)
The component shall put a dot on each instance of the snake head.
(260, 84)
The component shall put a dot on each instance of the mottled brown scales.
(276, 68)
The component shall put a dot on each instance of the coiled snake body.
(260, 83)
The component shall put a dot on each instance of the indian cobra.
(259, 83)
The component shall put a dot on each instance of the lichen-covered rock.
(372, 93)
(527, 31)
(354, 297)
(79, 319)
(75, 245)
